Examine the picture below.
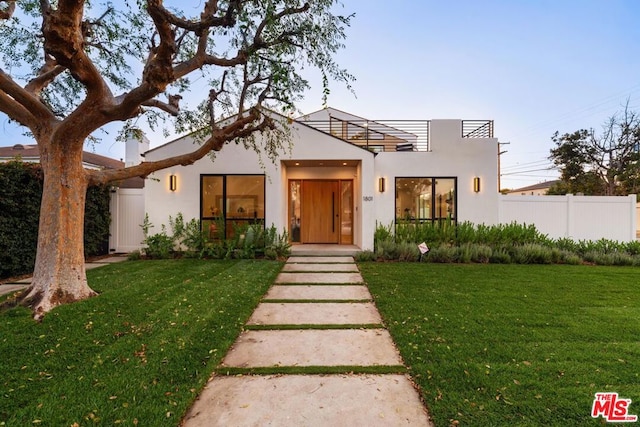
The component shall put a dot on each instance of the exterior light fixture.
(476, 184)
(381, 185)
(173, 182)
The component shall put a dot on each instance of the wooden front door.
(320, 211)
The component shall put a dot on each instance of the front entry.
(321, 211)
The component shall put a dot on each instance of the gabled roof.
(539, 186)
(31, 153)
(273, 113)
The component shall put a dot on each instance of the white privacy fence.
(575, 217)
(127, 214)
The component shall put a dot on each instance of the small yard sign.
(423, 249)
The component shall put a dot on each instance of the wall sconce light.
(476, 184)
(381, 185)
(173, 182)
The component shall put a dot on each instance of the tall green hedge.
(20, 195)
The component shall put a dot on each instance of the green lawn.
(513, 344)
(137, 354)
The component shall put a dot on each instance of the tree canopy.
(139, 59)
(70, 67)
(606, 164)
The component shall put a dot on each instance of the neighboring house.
(127, 197)
(31, 153)
(342, 176)
(540, 189)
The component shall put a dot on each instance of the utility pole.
(366, 133)
(499, 154)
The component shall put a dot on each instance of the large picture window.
(422, 199)
(230, 201)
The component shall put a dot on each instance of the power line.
(512, 168)
(530, 170)
(572, 114)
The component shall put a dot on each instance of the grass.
(137, 354)
(513, 344)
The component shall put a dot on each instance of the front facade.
(342, 176)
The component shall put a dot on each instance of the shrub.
(382, 233)
(247, 241)
(442, 254)
(276, 245)
(463, 253)
(502, 243)
(532, 254)
(562, 256)
(159, 246)
(387, 250)
(408, 252)
(500, 256)
(365, 256)
(480, 253)
(633, 248)
(97, 219)
(622, 258)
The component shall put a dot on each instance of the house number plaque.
(367, 198)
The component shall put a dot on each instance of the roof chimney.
(136, 144)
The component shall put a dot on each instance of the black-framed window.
(422, 199)
(228, 202)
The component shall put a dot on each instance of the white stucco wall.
(451, 156)
(309, 144)
(160, 201)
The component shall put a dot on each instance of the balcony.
(394, 135)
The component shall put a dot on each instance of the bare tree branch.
(17, 112)
(207, 18)
(172, 107)
(258, 42)
(213, 96)
(49, 71)
(63, 31)
(24, 98)
(239, 128)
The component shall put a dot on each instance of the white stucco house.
(342, 176)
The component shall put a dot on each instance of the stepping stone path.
(318, 316)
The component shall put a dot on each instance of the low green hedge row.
(502, 244)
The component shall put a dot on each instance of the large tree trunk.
(59, 276)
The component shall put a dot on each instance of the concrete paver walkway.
(338, 326)
(317, 292)
(315, 314)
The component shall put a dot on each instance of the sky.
(534, 67)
